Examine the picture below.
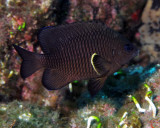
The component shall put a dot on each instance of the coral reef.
(18, 23)
(113, 101)
(112, 107)
(150, 30)
(114, 13)
(27, 115)
(109, 105)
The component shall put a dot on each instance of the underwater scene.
(79, 64)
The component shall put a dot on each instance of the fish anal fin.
(53, 79)
(95, 85)
(100, 65)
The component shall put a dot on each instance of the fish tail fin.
(31, 62)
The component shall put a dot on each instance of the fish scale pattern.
(76, 47)
(87, 50)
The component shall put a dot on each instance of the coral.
(27, 115)
(99, 107)
(147, 119)
(113, 13)
(111, 103)
(3, 32)
(18, 24)
(150, 30)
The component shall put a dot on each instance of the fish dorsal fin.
(53, 79)
(99, 64)
(54, 36)
(95, 84)
(47, 39)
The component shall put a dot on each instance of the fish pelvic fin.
(95, 85)
(31, 62)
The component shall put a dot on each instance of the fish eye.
(128, 47)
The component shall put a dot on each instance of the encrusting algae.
(72, 106)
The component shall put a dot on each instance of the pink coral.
(26, 93)
(157, 99)
(108, 110)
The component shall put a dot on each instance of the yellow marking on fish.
(93, 63)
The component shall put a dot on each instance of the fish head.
(124, 52)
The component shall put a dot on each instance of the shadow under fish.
(77, 51)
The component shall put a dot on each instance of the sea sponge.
(150, 30)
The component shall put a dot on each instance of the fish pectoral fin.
(100, 65)
(53, 79)
(95, 84)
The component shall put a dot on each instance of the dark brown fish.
(77, 51)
